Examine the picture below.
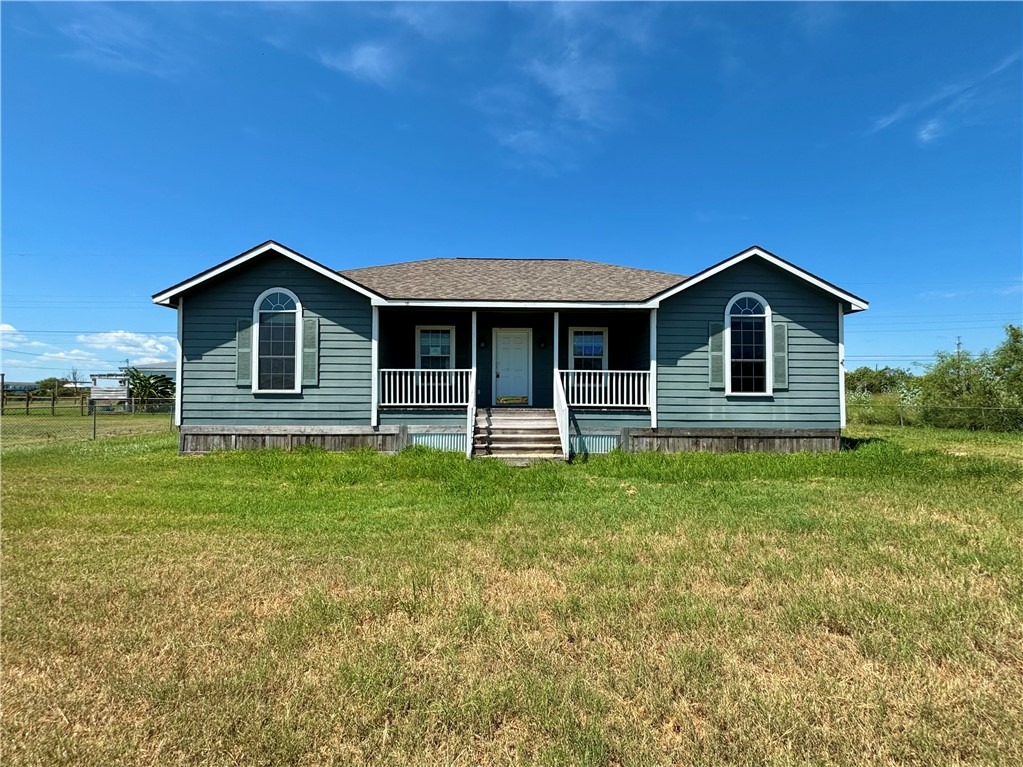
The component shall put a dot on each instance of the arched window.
(748, 345)
(277, 341)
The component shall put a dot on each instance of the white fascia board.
(856, 304)
(167, 297)
(450, 304)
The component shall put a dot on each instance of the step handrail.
(470, 413)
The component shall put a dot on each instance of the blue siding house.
(519, 358)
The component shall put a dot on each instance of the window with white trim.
(435, 347)
(587, 349)
(748, 345)
(277, 341)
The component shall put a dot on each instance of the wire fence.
(969, 417)
(77, 419)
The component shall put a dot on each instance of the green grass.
(268, 608)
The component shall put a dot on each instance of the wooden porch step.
(518, 436)
(550, 435)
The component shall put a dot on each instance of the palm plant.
(145, 389)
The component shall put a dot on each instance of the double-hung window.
(435, 348)
(588, 348)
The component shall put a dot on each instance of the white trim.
(857, 304)
(768, 348)
(841, 366)
(652, 396)
(529, 363)
(298, 343)
(549, 305)
(419, 329)
(179, 364)
(166, 297)
(374, 365)
(571, 344)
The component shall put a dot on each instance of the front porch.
(442, 365)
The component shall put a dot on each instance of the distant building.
(20, 387)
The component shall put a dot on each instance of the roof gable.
(169, 296)
(856, 303)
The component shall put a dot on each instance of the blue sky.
(877, 145)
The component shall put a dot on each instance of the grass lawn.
(305, 609)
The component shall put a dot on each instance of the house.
(520, 357)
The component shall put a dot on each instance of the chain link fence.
(970, 418)
(28, 421)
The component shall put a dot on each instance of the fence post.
(94, 422)
(81, 405)
(53, 401)
(28, 399)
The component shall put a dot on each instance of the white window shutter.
(781, 355)
(310, 351)
(243, 353)
(716, 356)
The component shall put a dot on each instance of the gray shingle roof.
(512, 279)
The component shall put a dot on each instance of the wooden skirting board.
(392, 439)
(679, 440)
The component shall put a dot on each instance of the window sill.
(276, 391)
(760, 394)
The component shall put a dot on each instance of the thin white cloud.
(583, 86)
(930, 130)
(945, 293)
(112, 38)
(11, 337)
(437, 22)
(954, 97)
(73, 355)
(374, 62)
(817, 19)
(566, 92)
(161, 348)
(1011, 290)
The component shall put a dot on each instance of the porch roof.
(512, 279)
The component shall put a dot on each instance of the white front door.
(513, 358)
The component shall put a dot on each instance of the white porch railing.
(426, 388)
(561, 412)
(607, 388)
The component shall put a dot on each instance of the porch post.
(473, 366)
(653, 368)
(374, 367)
(557, 337)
